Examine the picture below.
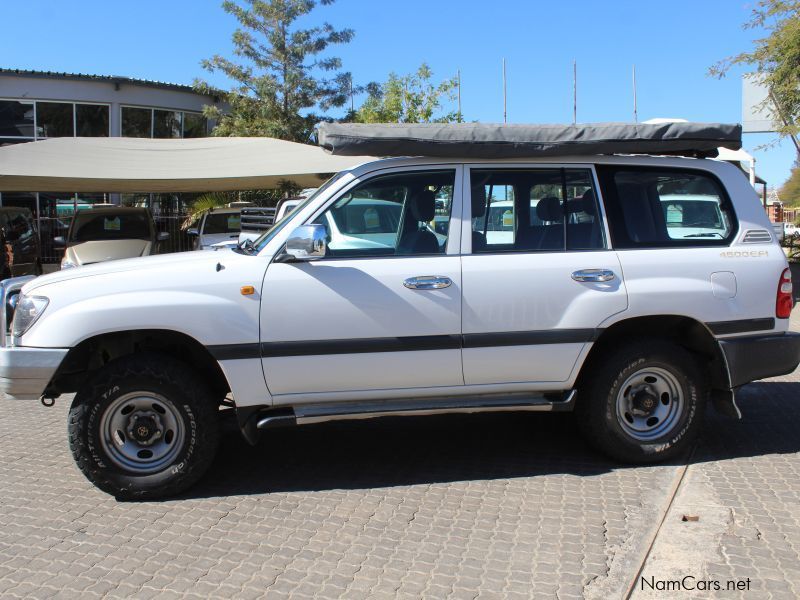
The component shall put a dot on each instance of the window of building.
(55, 119)
(137, 122)
(91, 120)
(194, 125)
(515, 210)
(391, 215)
(167, 123)
(656, 208)
(16, 118)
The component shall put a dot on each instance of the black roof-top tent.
(494, 141)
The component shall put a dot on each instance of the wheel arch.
(682, 330)
(95, 352)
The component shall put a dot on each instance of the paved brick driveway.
(510, 506)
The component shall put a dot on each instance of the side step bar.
(318, 413)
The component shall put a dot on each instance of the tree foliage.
(412, 98)
(776, 58)
(281, 76)
(790, 191)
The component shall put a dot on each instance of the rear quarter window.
(657, 208)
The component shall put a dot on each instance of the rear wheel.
(144, 427)
(644, 403)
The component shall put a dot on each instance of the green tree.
(412, 98)
(280, 81)
(776, 58)
(790, 190)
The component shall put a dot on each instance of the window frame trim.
(453, 232)
(677, 244)
(466, 233)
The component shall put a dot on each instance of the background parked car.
(219, 225)
(21, 253)
(103, 234)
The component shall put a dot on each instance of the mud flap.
(725, 403)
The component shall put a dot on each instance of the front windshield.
(260, 243)
(90, 226)
(222, 223)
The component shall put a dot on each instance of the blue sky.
(672, 44)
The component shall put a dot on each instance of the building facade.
(36, 105)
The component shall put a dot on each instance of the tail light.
(783, 301)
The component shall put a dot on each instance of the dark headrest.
(422, 206)
(549, 209)
(583, 204)
(478, 201)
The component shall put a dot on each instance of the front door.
(382, 311)
(538, 279)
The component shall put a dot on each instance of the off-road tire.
(178, 385)
(596, 409)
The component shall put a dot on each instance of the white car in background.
(219, 226)
(694, 216)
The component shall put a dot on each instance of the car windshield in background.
(223, 223)
(111, 226)
(694, 216)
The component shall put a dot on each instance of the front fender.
(209, 319)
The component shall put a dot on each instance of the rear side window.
(656, 208)
(534, 210)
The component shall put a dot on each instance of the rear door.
(538, 276)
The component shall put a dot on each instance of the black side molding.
(757, 357)
(741, 326)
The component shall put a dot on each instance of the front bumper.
(758, 357)
(25, 372)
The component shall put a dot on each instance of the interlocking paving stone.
(488, 506)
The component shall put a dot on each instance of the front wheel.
(644, 403)
(144, 427)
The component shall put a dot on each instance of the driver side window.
(402, 214)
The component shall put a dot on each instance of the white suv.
(630, 289)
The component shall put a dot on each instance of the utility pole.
(635, 107)
(352, 100)
(505, 105)
(459, 95)
(574, 91)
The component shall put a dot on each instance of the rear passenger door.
(537, 274)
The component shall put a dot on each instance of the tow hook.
(48, 401)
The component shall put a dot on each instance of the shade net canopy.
(492, 141)
(157, 165)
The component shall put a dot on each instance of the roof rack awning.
(482, 140)
(147, 165)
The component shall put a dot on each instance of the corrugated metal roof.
(107, 78)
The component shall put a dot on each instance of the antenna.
(574, 91)
(635, 107)
(505, 112)
(459, 95)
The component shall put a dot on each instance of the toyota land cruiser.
(631, 290)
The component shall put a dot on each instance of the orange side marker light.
(248, 290)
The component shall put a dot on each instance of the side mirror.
(162, 236)
(307, 242)
(59, 241)
(193, 231)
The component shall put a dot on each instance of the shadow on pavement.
(418, 450)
